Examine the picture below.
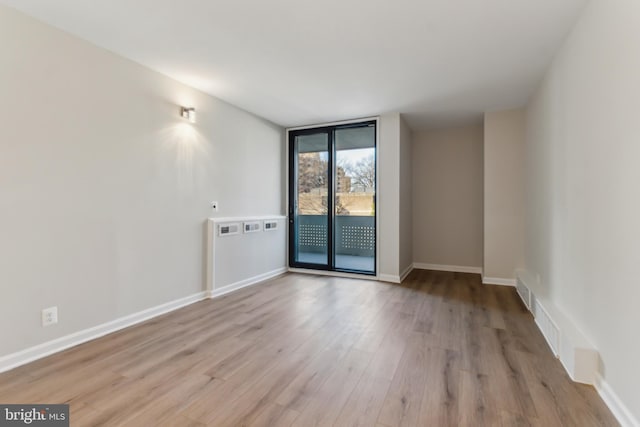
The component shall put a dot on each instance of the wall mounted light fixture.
(188, 113)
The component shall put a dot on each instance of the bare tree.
(312, 172)
(363, 173)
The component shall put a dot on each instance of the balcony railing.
(355, 235)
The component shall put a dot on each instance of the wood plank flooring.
(439, 350)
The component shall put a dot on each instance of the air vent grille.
(270, 225)
(251, 227)
(228, 229)
(549, 329)
(524, 293)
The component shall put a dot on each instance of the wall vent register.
(252, 227)
(270, 225)
(228, 229)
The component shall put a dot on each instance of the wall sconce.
(188, 113)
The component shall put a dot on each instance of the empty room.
(329, 213)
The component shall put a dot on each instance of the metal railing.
(355, 235)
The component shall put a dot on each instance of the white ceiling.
(299, 62)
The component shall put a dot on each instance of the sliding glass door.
(332, 196)
(309, 219)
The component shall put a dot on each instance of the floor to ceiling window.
(332, 198)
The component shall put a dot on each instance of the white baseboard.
(389, 278)
(39, 351)
(578, 355)
(362, 276)
(452, 268)
(48, 348)
(406, 272)
(246, 282)
(619, 410)
(498, 281)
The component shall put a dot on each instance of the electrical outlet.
(49, 316)
(214, 206)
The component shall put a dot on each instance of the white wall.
(244, 258)
(388, 154)
(104, 189)
(406, 200)
(394, 198)
(447, 197)
(504, 133)
(583, 180)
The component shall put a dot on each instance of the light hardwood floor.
(439, 350)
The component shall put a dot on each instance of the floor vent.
(548, 328)
(576, 352)
(524, 293)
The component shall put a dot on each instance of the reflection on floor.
(343, 262)
(442, 349)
